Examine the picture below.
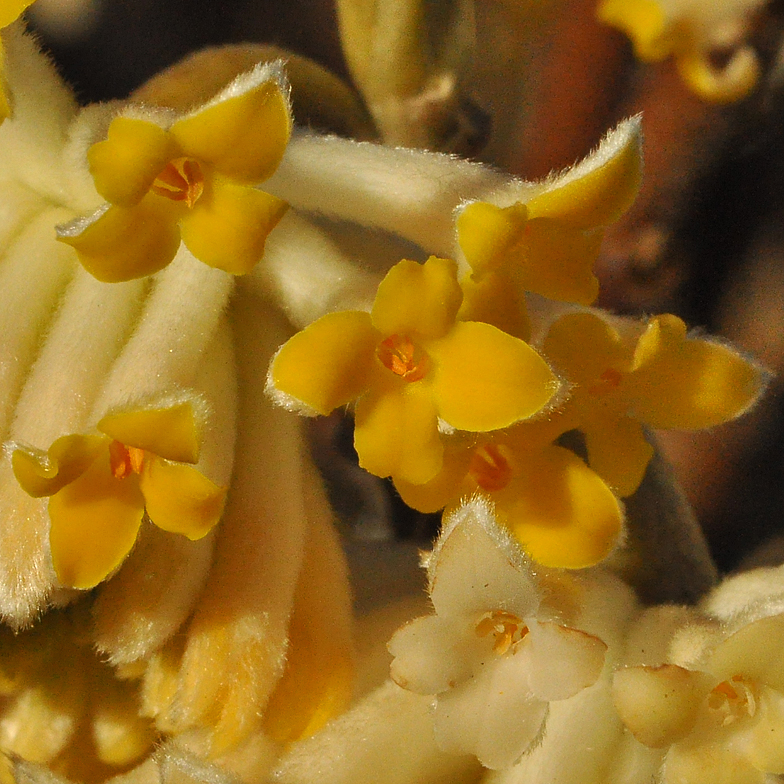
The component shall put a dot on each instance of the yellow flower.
(409, 364)
(627, 380)
(691, 32)
(10, 10)
(101, 486)
(560, 511)
(189, 180)
(547, 243)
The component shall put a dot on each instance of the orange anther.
(399, 354)
(489, 468)
(180, 180)
(609, 380)
(507, 629)
(125, 460)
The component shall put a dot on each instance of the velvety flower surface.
(627, 377)
(101, 486)
(721, 722)
(408, 364)
(691, 32)
(493, 664)
(10, 10)
(190, 179)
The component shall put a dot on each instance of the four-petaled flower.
(410, 364)
(722, 722)
(627, 376)
(492, 664)
(560, 511)
(100, 488)
(545, 238)
(691, 32)
(191, 179)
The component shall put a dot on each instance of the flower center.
(125, 460)
(733, 699)
(399, 354)
(507, 629)
(489, 468)
(608, 382)
(180, 180)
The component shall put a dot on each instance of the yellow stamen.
(507, 629)
(125, 460)
(489, 468)
(180, 180)
(399, 354)
(733, 699)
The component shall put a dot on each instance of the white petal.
(562, 661)
(494, 715)
(476, 567)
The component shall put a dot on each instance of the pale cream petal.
(708, 763)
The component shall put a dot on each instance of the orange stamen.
(507, 629)
(733, 699)
(125, 460)
(399, 354)
(609, 381)
(489, 468)
(181, 180)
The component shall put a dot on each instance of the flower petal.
(560, 511)
(490, 236)
(244, 134)
(180, 499)
(418, 299)
(445, 488)
(228, 226)
(561, 661)
(494, 715)
(765, 740)
(171, 432)
(127, 162)
(645, 23)
(598, 190)
(708, 763)
(726, 85)
(619, 452)
(119, 243)
(689, 383)
(11, 10)
(497, 299)
(485, 379)
(432, 653)
(559, 261)
(326, 365)
(95, 520)
(396, 433)
(45, 473)
(659, 705)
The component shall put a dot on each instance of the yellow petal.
(171, 432)
(95, 520)
(119, 243)
(645, 23)
(243, 137)
(45, 473)
(559, 261)
(498, 300)
(418, 299)
(228, 226)
(328, 364)
(688, 383)
(445, 488)
(601, 188)
(11, 10)
(560, 511)
(731, 83)
(396, 433)
(710, 762)
(485, 379)
(584, 346)
(487, 234)
(180, 499)
(127, 162)
(619, 452)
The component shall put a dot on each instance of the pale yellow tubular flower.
(387, 738)
(317, 683)
(235, 646)
(71, 366)
(190, 180)
(692, 31)
(149, 599)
